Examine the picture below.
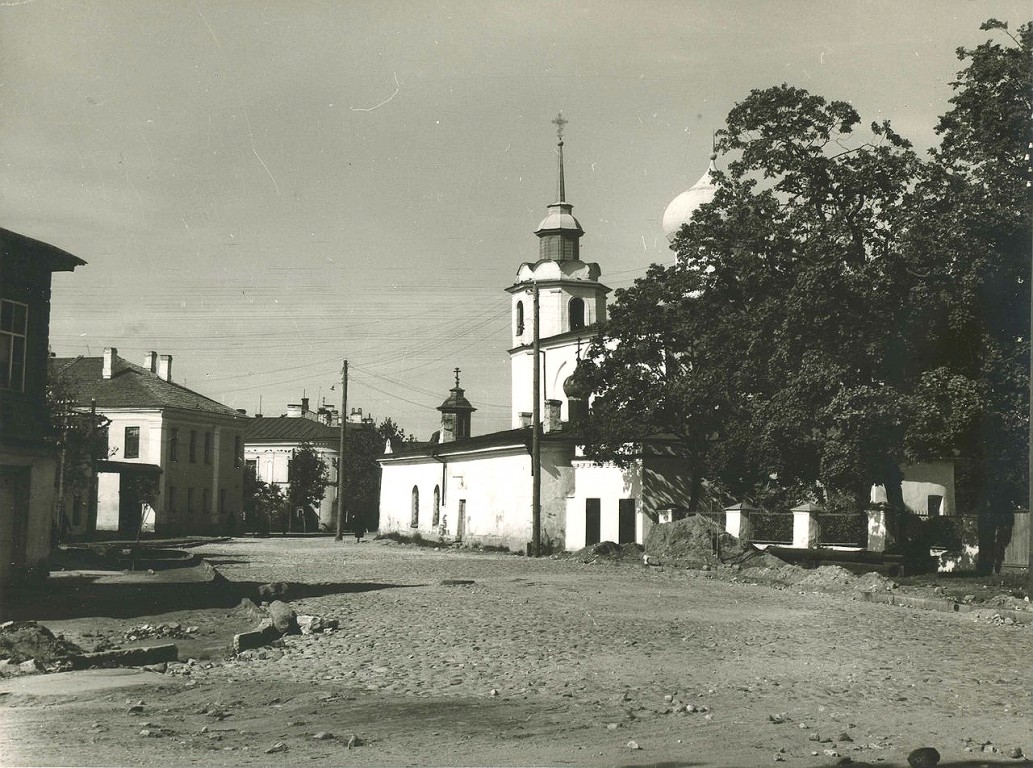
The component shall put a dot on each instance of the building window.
(132, 443)
(193, 446)
(576, 310)
(14, 321)
(208, 446)
(519, 318)
(206, 505)
(437, 507)
(238, 452)
(251, 468)
(414, 520)
(174, 444)
(190, 501)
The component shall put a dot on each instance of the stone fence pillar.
(737, 521)
(806, 528)
(882, 529)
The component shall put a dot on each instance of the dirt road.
(549, 662)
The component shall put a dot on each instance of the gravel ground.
(550, 662)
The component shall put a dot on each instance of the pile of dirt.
(24, 640)
(610, 550)
(695, 541)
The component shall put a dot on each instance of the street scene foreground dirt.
(452, 657)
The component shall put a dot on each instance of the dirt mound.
(610, 550)
(24, 640)
(694, 541)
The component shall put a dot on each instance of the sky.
(263, 189)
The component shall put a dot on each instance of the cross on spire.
(559, 122)
(457, 377)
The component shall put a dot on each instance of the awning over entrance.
(128, 468)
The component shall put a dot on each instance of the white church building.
(478, 488)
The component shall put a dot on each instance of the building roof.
(680, 210)
(130, 386)
(507, 437)
(49, 255)
(291, 429)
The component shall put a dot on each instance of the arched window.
(414, 520)
(519, 318)
(437, 507)
(576, 310)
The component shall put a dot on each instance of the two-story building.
(175, 458)
(27, 452)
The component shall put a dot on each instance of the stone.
(844, 736)
(277, 747)
(633, 745)
(779, 758)
(30, 667)
(284, 618)
(273, 591)
(612, 726)
(354, 741)
(923, 757)
(257, 638)
(126, 657)
(1015, 753)
(323, 735)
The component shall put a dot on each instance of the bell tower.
(571, 298)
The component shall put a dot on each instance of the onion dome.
(680, 211)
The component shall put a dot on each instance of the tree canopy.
(843, 306)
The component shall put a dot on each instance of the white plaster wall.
(609, 484)
(497, 491)
(558, 363)
(396, 486)
(932, 478)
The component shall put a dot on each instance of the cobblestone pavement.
(555, 662)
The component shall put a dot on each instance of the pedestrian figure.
(360, 530)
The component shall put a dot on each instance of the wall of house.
(272, 461)
(396, 484)
(608, 483)
(496, 488)
(26, 511)
(922, 480)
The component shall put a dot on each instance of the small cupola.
(455, 414)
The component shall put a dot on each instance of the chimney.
(150, 361)
(525, 418)
(294, 411)
(304, 406)
(110, 353)
(552, 416)
(165, 367)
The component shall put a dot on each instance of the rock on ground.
(24, 640)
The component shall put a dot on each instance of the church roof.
(508, 437)
(456, 401)
(130, 386)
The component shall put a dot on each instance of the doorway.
(626, 521)
(592, 522)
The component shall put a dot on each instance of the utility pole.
(1029, 503)
(342, 485)
(536, 446)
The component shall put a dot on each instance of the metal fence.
(771, 527)
(848, 529)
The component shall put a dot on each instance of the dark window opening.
(132, 444)
(13, 335)
(519, 318)
(414, 519)
(625, 521)
(577, 314)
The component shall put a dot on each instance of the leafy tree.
(826, 320)
(365, 446)
(308, 478)
(264, 503)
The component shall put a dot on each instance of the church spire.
(559, 232)
(559, 122)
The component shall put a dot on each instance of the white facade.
(200, 488)
(272, 463)
(928, 489)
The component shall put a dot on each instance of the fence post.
(737, 521)
(806, 528)
(881, 528)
